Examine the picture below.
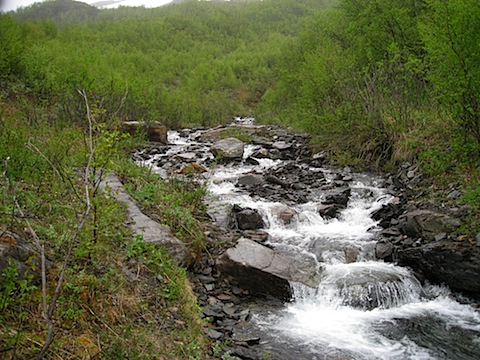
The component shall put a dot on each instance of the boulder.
(426, 224)
(156, 132)
(142, 225)
(338, 197)
(383, 250)
(249, 219)
(229, 148)
(250, 180)
(386, 213)
(264, 271)
(454, 263)
(329, 211)
(283, 213)
(365, 287)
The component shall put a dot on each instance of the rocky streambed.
(311, 262)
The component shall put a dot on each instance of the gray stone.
(283, 213)
(477, 239)
(455, 263)
(229, 148)
(214, 334)
(189, 156)
(440, 236)
(351, 255)
(250, 180)
(281, 145)
(264, 271)
(339, 197)
(249, 219)
(426, 224)
(142, 225)
(261, 269)
(454, 194)
(383, 250)
(329, 211)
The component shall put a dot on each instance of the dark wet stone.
(249, 219)
(339, 197)
(383, 250)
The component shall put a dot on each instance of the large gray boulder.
(229, 148)
(455, 263)
(264, 271)
(426, 224)
(142, 225)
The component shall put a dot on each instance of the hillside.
(379, 85)
(59, 11)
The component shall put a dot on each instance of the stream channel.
(362, 308)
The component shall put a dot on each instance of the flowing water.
(364, 309)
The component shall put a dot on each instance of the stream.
(362, 308)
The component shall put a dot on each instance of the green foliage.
(187, 64)
(11, 47)
(451, 39)
(176, 203)
(15, 288)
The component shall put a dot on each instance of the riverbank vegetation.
(375, 83)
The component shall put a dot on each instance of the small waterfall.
(364, 286)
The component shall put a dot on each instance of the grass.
(121, 297)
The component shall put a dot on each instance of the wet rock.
(281, 145)
(383, 250)
(264, 271)
(365, 287)
(391, 232)
(329, 211)
(245, 353)
(456, 264)
(249, 219)
(246, 332)
(426, 224)
(275, 180)
(283, 213)
(351, 255)
(250, 180)
(213, 311)
(339, 197)
(387, 213)
(229, 148)
(256, 235)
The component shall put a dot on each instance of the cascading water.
(362, 308)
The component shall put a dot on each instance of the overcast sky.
(7, 5)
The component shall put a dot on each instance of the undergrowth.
(121, 298)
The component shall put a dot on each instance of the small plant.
(14, 288)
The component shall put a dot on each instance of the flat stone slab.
(142, 225)
(265, 271)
